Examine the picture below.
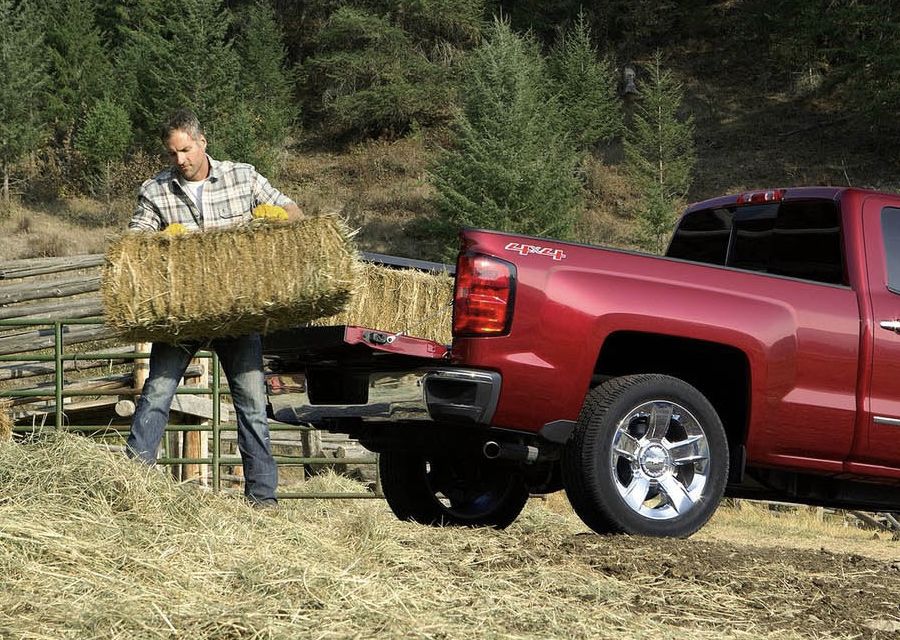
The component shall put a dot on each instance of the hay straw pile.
(228, 282)
(96, 546)
(400, 300)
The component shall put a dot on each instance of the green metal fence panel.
(216, 427)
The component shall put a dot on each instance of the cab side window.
(795, 239)
(890, 231)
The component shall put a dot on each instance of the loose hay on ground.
(399, 300)
(95, 546)
(228, 282)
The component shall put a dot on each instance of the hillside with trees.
(594, 122)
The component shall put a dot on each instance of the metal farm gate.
(53, 343)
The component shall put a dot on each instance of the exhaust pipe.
(509, 451)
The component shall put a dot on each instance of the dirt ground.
(811, 593)
(752, 570)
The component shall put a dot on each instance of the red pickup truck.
(760, 357)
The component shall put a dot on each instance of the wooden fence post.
(196, 443)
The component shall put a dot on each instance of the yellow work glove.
(175, 229)
(270, 212)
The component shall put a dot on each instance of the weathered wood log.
(19, 370)
(116, 384)
(51, 289)
(894, 522)
(197, 406)
(87, 307)
(38, 266)
(46, 338)
(124, 408)
(870, 520)
(119, 384)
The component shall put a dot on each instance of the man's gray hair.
(182, 120)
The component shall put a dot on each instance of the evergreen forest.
(586, 121)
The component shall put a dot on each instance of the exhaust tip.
(491, 450)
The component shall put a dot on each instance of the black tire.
(445, 490)
(667, 472)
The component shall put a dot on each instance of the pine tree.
(237, 138)
(79, 66)
(366, 76)
(510, 167)
(267, 90)
(585, 86)
(177, 54)
(23, 81)
(659, 154)
(103, 140)
(432, 23)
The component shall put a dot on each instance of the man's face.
(187, 154)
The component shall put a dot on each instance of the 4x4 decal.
(529, 249)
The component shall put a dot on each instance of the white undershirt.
(195, 192)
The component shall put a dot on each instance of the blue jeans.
(241, 360)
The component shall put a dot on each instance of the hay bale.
(399, 300)
(6, 420)
(227, 282)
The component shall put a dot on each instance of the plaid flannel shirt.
(233, 190)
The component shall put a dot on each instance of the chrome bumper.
(444, 394)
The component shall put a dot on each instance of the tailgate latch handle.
(376, 337)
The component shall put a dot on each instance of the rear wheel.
(448, 490)
(649, 456)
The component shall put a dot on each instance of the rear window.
(794, 239)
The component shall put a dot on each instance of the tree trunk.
(5, 187)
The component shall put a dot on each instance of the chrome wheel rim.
(660, 460)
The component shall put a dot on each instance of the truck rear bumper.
(461, 395)
(443, 394)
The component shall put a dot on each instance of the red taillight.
(761, 197)
(482, 299)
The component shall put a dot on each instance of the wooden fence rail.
(30, 369)
(86, 307)
(46, 290)
(39, 266)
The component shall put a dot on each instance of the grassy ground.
(94, 546)
(43, 231)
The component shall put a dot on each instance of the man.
(200, 193)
